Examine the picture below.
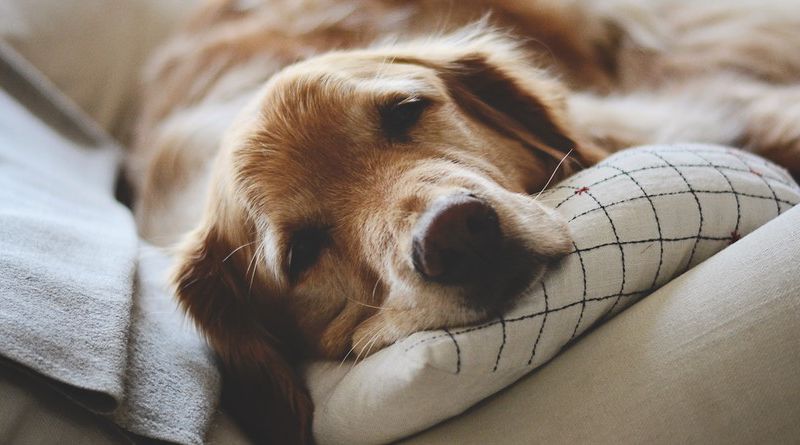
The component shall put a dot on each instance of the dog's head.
(366, 195)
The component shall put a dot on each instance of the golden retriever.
(343, 173)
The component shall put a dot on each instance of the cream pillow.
(638, 219)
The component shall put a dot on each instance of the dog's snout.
(455, 239)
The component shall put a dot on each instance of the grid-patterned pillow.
(638, 219)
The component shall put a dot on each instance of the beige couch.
(714, 357)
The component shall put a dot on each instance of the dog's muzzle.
(458, 242)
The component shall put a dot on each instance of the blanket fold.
(82, 301)
(67, 257)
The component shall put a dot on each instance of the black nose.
(456, 239)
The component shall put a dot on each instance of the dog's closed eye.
(306, 246)
(397, 118)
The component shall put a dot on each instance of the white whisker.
(371, 344)
(374, 289)
(254, 261)
(368, 344)
(553, 175)
(363, 304)
(352, 348)
(236, 250)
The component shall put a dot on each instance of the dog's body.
(356, 195)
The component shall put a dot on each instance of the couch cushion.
(639, 219)
(712, 357)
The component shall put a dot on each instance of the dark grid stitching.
(652, 240)
(658, 223)
(458, 350)
(583, 298)
(502, 344)
(587, 300)
(657, 167)
(764, 180)
(489, 324)
(686, 192)
(682, 165)
(541, 328)
(735, 232)
(733, 152)
(699, 208)
(583, 302)
(621, 251)
(560, 308)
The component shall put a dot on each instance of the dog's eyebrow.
(272, 248)
(395, 87)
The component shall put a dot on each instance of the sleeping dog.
(342, 173)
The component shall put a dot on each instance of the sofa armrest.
(710, 358)
(92, 50)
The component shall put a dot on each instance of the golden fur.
(243, 148)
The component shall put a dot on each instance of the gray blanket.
(82, 301)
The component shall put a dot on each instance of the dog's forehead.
(327, 104)
(346, 79)
(315, 132)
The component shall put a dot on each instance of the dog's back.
(676, 70)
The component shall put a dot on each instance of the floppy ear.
(249, 334)
(502, 91)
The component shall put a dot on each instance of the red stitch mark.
(735, 236)
(581, 190)
(755, 172)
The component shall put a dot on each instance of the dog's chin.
(519, 272)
